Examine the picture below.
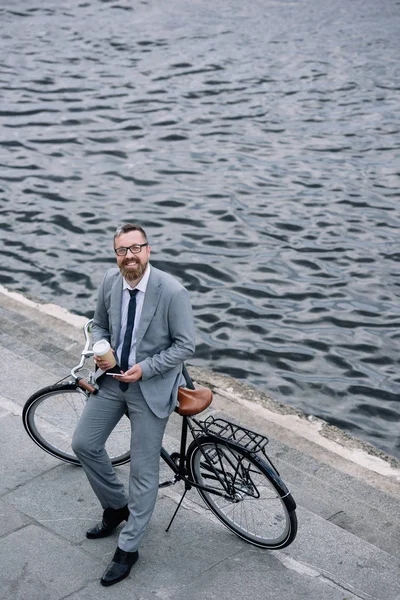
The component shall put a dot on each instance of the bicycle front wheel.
(51, 415)
(251, 504)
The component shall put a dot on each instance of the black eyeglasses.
(135, 249)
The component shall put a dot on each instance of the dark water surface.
(259, 145)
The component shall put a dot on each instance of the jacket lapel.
(115, 310)
(151, 298)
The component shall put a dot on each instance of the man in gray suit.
(146, 316)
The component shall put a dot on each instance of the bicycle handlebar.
(86, 353)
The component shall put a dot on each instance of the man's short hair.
(129, 227)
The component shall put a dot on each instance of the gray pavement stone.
(59, 363)
(126, 590)
(258, 575)
(296, 464)
(352, 514)
(20, 377)
(168, 560)
(61, 500)
(356, 507)
(11, 519)
(37, 565)
(39, 338)
(193, 545)
(21, 459)
(19, 312)
(345, 558)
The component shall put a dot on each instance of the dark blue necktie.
(126, 347)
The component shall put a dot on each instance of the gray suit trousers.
(100, 416)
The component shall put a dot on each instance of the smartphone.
(113, 374)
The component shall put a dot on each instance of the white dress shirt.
(141, 286)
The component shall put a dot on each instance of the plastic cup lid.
(101, 347)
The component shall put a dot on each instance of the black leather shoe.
(119, 567)
(112, 517)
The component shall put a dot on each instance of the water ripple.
(259, 146)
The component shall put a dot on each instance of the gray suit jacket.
(165, 338)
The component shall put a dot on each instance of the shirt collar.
(142, 285)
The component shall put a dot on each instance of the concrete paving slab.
(258, 575)
(358, 506)
(11, 519)
(193, 524)
(20, 377)
(55, 363)
(298, 468)
(61, 500)
(352, 513)
(345, 558)
(190, 548)
(21, 459)
(40, 337)
(315, 541)
(51, 316)
(37, 565)
(352, 504)
(105, 548)
(126, 590)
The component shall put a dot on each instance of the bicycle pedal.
(165, 484)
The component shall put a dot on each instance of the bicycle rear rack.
(252, 441)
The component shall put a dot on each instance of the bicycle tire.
(267, 521)
(51, 414)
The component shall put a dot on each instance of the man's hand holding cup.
(104, 355)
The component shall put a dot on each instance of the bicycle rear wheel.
(51, 415)
(255, 504)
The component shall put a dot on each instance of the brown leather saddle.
(193, 402)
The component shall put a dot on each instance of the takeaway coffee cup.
(102, 348)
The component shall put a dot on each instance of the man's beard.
(132, 274)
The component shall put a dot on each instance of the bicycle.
(225, 462)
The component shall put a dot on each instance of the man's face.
(132, 266)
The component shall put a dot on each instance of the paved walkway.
(348, 545)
